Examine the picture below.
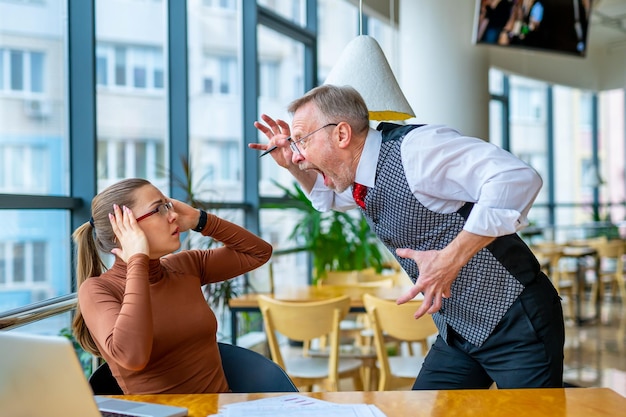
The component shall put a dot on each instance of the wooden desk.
(249, 302)
(568, 402)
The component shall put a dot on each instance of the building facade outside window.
(132, 67)
(23, 71)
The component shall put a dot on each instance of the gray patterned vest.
(490, 282)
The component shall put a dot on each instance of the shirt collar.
(366, 171)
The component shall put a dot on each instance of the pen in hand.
(273, 148)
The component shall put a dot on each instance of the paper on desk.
(297, 406)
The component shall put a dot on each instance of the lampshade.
(363, 66)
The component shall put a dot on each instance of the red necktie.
(358, 192)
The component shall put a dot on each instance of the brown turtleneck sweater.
(150, 319)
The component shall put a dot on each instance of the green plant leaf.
(337, 241)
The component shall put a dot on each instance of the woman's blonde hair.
(95, 236)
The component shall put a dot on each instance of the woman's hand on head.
(131, 239)
(188, 216)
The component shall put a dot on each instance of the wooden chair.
(355, 326)
(550, 256)
(610, 270)
(304, 322)
(397, 321)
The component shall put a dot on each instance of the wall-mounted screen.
(549, 25)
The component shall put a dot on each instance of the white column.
(443, 75)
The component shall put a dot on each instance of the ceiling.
(608, 24)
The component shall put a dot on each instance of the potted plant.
(337, 241)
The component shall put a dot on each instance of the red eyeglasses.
(162, 209)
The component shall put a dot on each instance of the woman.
(146, 315)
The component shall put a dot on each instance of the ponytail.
(88, 264)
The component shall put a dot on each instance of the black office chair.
(245, 370)
(103, 382)
(249, 371)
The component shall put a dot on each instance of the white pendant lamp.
(363, 66)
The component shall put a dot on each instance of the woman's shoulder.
(103, 284)
(184, 260)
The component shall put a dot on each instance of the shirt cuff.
(494, 222)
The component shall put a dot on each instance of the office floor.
(595, 352)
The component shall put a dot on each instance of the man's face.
(316, 149)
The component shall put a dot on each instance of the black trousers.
(525, 349)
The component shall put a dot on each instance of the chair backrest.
(399, 278)
(364, 285)
(102, 382)
(246, 371)
(304, 321)
(549, 255)
(611, 258)
(398, 321)
(610, 249)
(611, 268)
(366, 278)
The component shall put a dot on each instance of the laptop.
(41, 376)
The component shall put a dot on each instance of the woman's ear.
(344, 132)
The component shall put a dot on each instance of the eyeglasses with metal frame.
(294, 143)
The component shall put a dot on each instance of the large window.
(34, 244)
(529, 136)
(612, 151)
(132, 107)
(216, 143)
(293, 10)
(338, 25)
(277, 224)
(288, 56)
(575, 145)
